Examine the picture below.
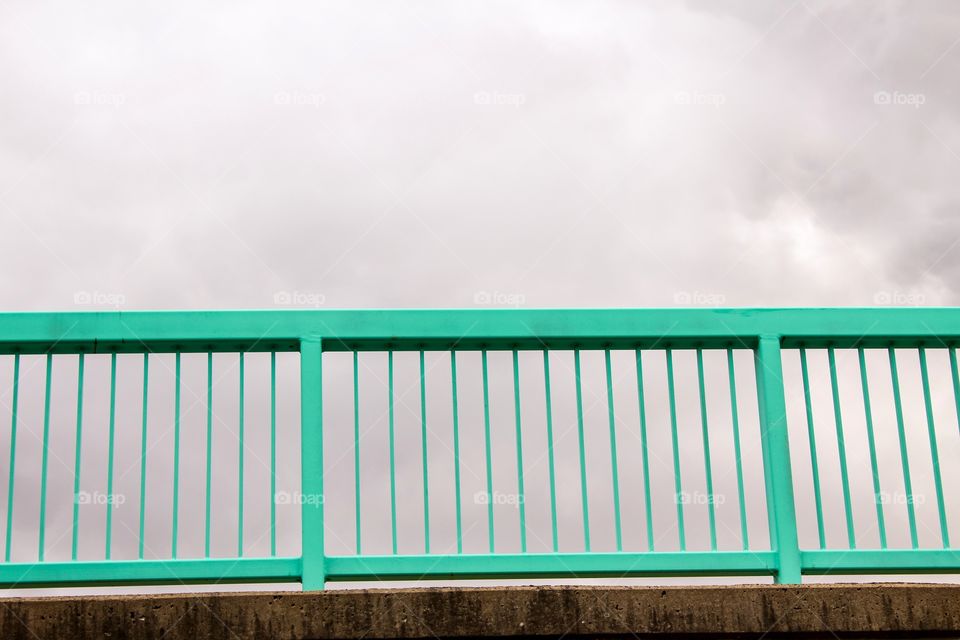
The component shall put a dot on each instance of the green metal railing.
(706, 335)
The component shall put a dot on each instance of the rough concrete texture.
(828, 611)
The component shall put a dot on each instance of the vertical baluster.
(674, 438)
(393, 465)
(550, 458)
(955, 374)
(644, 453)
(731, 374)
(76, 460)
(423, 445)
(356, 450)
(489, 457)
(522, 493)
(43, 464)
(110, 452)
(13, 454)
(209, 468)
(932, 433)
(273, 453)
(143, 453)
(614, 466)
(812, 438)
(842, 449)
(904, 458)
(240, 457)
(706, 450)
(583, 456)
(775, 443)
(871, 443)
(176, 458)
(456, 450)
(311, 464)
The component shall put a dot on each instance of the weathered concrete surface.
(828, 611)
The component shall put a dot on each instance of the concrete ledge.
(753, 611)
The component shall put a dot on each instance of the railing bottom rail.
(551, 565)
(136, 572)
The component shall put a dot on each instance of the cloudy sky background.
(170, 156)
(410, 155)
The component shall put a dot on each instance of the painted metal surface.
(764, 331)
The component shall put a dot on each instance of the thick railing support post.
(776, 460)
(311, 464)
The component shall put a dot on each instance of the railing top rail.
(405, 329)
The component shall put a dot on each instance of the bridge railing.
(687, 370)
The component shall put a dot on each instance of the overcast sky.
(406, 154)
(555, 154)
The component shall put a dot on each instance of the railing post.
(311, 463)
(776, 460)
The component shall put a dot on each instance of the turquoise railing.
(803, 363)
